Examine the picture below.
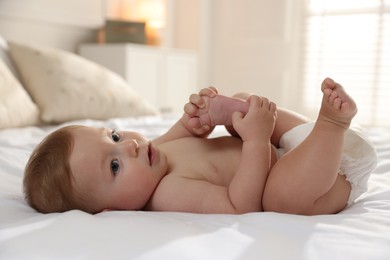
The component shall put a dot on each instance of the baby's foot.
(337, 106)
(218, 110)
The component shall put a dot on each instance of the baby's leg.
(306, 179)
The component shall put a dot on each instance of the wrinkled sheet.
(359, 232)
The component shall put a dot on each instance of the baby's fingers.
(255, 101)
(237, 117)
(199, 129)
(197, 100)
(191, 109)
(262, 102)
(272, 107)
(210, 92)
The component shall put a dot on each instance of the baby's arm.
(255, 128)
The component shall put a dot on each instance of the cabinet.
(164, 76)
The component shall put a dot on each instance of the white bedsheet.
(359, 232)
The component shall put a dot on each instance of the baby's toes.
(332, 97)
(328, 83)
(345, 107)
(327, 92)
(337, 103)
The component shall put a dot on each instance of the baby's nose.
(132, 145)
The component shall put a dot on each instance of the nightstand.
(165, 77)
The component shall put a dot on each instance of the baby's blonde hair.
(47, 178)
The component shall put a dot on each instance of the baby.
(97, 169)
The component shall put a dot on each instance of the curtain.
(349, 41)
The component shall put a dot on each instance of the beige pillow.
(16, 107)
(66, 86)
(5, 56)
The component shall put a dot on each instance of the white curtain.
(349, 40)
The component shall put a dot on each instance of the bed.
(359, 232)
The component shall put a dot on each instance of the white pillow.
(4, 55)
(66, 86)
(16, 107)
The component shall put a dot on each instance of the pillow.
(16, 107)
(4, 55)
(67, 87)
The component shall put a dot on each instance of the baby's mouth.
(150, 153)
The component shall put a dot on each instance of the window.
(349, 40)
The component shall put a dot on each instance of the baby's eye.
(115, 167)
(115, 136)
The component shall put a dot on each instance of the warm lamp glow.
(152, 11)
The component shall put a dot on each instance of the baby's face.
(121, 169)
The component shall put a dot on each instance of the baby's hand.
(197, 110)
(198, 106)
(259, 122)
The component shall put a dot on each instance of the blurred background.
(281, 49)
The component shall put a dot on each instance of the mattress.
(359, 232)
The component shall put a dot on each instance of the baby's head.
(47, 178)
(92, 169)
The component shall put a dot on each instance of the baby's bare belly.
(214, 160)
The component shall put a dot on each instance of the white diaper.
(357, 162)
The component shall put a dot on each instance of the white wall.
(246, 45)
(63, 24)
